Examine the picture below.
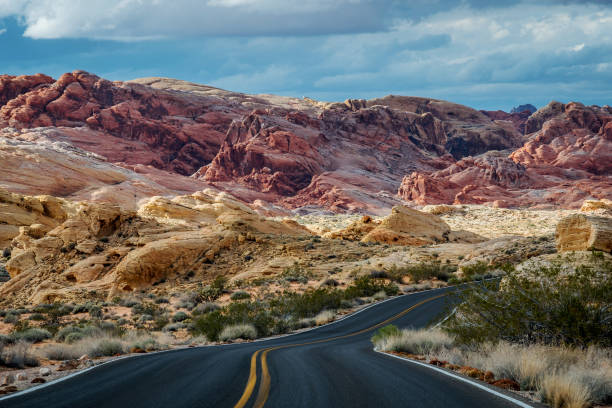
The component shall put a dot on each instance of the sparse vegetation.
(238, 331)
(17, 355)
(420, 272)
(240, 295)
(543, 304)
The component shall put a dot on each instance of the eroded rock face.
(347, 156)
(61, 248)
(173, 132)
(581, 232)
(124, 141)
(567, 160)
(404, 226)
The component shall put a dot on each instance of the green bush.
(542, 305)
(105, 348)
(366, 286)
(476, 268)
(240, 295)
(295, 273)
(384, 332)
(180, 316)
(74, 337)
(32, 335)
(421, 271)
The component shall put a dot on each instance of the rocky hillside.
(85, 138)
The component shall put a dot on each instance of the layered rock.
(567, 160)
(174, 132)
(63, 248)
(404, 226)
(123, 141)
(581, 232)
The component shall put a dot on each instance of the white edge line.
(58, 380)
(460, 378)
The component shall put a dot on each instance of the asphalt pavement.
(330, 366)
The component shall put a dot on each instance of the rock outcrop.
(581, 232)
(566, 160)
(85, 138)
(61, 248)
(286, 151)
(404, 226)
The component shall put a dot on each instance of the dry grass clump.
(415, 341)
(238, 331)
(324, 317)
(17, 355)
(563, 377)
(104, 346)
(563, 391)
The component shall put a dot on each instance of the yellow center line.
(250, 383)
(264, 386)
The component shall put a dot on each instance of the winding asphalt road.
(331, 366)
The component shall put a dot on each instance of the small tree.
(542, 305)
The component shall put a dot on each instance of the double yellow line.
(264, 386)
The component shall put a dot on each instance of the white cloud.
(150, 19)
(2, 31)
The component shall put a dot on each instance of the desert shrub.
(37, 317)
(143, 342)
(366, 286)
(172, 327)
(161, 300)
(324, 317)
(413, 341)
(295, 273)
(105, 347)
(476, 268)
(32, 335)
(180, 316)
(129, 302)
(161, 321)
(60, 352)
(562, 391)
(6, 252)
(11, 318)
(330, 282)
(17, 355)
(542, 305)
(238, 331)
(240, 295)
(378, 274)
(95, 312)
(74, 337)
(65, 331)
(209, 325)
(212, 292)
(385, 332)
(205, 308)
(379, 295)
(421, 271)
(147, 308)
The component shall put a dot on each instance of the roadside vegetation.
(545, 329)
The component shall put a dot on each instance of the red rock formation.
(518, 119)
(292, 152)
(568, 160)
(173, 132)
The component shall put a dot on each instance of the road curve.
(331, 366)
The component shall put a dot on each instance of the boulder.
(581, 232)
(404, 226)
(44, 372)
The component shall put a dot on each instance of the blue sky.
(486, 54)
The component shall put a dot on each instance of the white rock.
(45, 371)
(21, 377)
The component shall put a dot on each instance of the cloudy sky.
(484, 53)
